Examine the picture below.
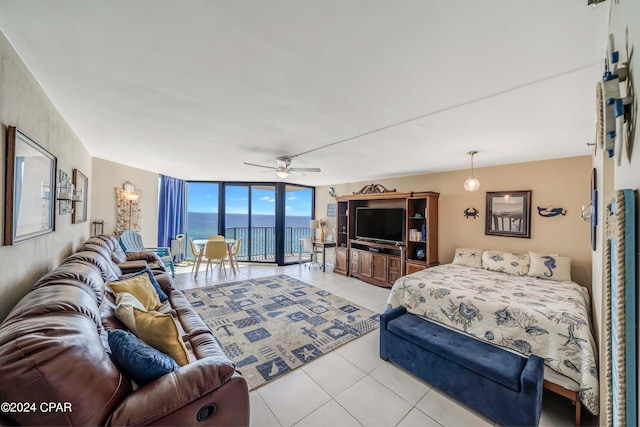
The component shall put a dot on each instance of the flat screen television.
(380, 224)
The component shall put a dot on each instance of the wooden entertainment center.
(381, 263)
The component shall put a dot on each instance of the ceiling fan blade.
(260, 166)
(305, 169)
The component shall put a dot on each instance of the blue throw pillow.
(163, 297)
(137, 360)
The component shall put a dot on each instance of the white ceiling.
(366, 89)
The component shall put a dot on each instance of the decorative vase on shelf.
(420, 254)
(424, 233)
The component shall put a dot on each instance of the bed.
(522, 302)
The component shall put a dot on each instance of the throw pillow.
(138, 361)
(550, 266)
(468, 257)
(160, 331)
(124, 309)
(140, 287)
(506, 262)
(152, 278)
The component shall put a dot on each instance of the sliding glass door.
(298, 210)
(250, 214)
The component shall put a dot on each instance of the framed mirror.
(29, 208)
(81, 186)
(508, 213)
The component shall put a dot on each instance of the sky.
(203, 197)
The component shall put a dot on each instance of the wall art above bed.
(508, 213)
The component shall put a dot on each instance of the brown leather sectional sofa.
(55, 364)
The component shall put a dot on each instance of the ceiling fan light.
(472, 184)
(282, 174)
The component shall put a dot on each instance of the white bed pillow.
(506, 262)
(550, 266)
(468, 257)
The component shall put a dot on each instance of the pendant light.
(472, 184)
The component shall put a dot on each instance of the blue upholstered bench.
(504, 386)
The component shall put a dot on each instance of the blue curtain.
(171, 210)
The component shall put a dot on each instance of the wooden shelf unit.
(381, 263)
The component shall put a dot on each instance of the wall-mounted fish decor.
(471, 213)
(550, 211)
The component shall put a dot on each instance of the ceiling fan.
(283, 167)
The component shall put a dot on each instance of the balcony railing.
(263, 241)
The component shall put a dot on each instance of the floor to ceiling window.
(269, 217)
(202, 210)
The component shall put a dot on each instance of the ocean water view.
(200, 225)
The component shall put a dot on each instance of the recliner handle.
(206, 412)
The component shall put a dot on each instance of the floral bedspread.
(525, 314)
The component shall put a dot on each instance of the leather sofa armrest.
(148, 256)
(173, 391)
(132, 266)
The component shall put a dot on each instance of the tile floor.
(352, 386)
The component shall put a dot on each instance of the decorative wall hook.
(551, 211)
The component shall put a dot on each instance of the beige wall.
(562, 183)
(24, 104)
(107, 176)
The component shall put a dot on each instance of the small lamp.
(282, 173)
(472, 184)
(314, 224)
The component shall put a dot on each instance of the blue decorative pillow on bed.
(506, 262)
(138, 361)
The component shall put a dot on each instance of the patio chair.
(215, 250)
(131, 241)
(307, 247)
(197, 252)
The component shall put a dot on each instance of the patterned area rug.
(272, 325)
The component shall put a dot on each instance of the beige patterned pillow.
(550, 266)
(468, 257)
(506, 262)
(124, 309)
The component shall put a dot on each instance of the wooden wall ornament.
(551, 211)
(374, 189)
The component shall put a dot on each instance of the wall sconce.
(130, 194)
(472, 184)
(65, 194)
(587, 212)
